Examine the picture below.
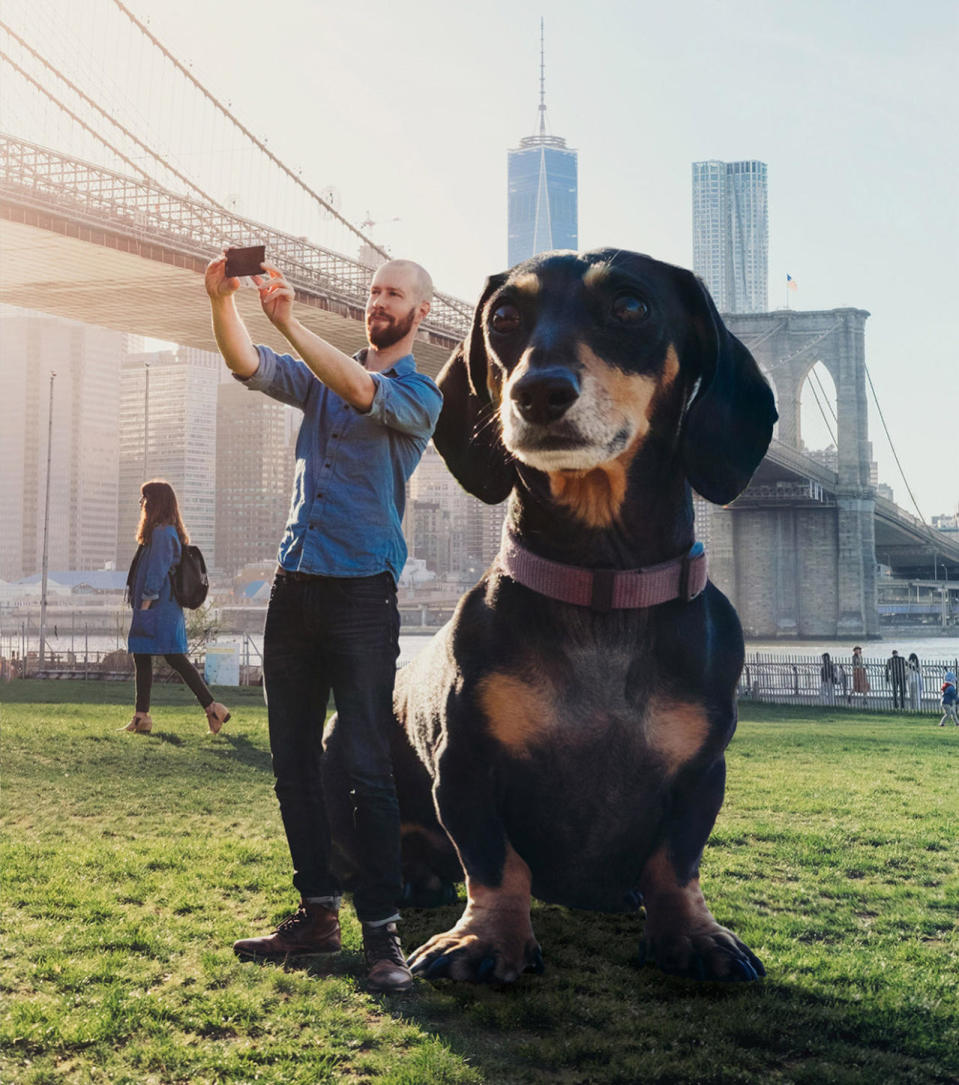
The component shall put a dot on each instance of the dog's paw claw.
(714, 955)
(462, 955)
(743, 972)
(536, 965)
(432, 969)
(484, 970)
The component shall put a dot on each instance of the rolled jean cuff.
(394, 918)
(333, 903)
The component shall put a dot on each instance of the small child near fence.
(950, 700)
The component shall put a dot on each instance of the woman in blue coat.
(158, 627)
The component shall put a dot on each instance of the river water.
(928, 649)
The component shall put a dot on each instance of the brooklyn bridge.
(124, 246)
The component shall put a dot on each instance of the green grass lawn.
(131, 863)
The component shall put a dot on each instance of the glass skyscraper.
(543, 208)
(731, 233)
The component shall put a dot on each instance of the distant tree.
(202, 627)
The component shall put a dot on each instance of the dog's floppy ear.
(729, 421)
(468, 431)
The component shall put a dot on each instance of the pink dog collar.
(605, 589)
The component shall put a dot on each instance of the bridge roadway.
(82, 242)
(911, 548)
(86, 243)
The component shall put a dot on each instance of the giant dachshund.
(566, 730)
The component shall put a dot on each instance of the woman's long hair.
(159, 506)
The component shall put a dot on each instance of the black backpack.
(189, 579)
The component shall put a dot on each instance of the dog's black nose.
(544, 395)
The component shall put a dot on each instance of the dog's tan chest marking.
(675, 730)
(524, 710)
(596, 497)
(518, 711)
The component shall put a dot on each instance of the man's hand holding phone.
(276, 296)
(222, 277)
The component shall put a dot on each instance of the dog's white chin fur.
(603, 439)
(566, 459)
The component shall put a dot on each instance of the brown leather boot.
(385, 960)
(311, 929)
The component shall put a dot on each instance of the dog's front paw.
(712, 953)
(480, 949)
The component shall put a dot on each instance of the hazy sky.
(408, 111)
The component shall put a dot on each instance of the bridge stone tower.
(798, 554)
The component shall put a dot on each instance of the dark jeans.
(143, 669)
(339, 634)
(898, 691)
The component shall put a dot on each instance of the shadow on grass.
(596, 1016)
(246, 752)
(171, 738)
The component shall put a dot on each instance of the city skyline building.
(453, 532)
(254, 475)
(731, 233)
(542, 180)
(180, 415)
(82, 532)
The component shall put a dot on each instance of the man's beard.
(387, 334)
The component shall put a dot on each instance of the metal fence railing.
(110, 665)
(768, 677)
(871, 685)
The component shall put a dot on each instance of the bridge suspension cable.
(79, 120)
(825, 418)
(824, 395)
(915, 504)
(327, 207)
(103, 113)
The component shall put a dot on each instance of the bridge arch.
(818, 411)
(797, 550)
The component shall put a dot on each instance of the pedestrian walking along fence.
(803, 679)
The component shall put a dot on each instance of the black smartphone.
(245, 261)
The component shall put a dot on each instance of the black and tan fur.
(571, 754)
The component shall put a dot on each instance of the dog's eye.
(629, 309)
(505, 319)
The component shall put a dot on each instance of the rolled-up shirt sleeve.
(410, 404)
(281, 377)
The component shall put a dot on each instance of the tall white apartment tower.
(84, 444)
(731, 233)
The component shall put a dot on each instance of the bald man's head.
(419, 281)
(399, 300)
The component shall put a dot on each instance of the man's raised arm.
(232, 338)
(338, 371)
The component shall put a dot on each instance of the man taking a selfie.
(332, 622)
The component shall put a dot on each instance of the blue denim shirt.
(349, 486)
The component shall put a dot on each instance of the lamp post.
(46, 525)
(146, 420)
